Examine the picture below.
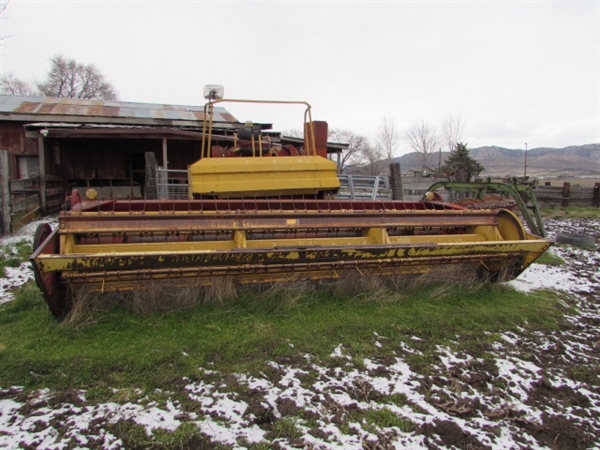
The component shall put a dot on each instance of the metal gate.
(172, 184)
(363, 187)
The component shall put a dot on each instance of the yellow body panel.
(263, 176)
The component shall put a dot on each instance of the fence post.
(566, 194)
(4, 193)
(396, 181)
(42, 163)
(596, 201)
(150, 189)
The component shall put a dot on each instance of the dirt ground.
(526, 390)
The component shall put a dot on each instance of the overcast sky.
(516, 72)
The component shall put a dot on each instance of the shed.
(49, 146)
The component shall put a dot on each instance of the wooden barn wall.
(95, 158)
(181, 153)
(88, 159)
(12, 138)
(119, 158)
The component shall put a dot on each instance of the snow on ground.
(17, 276)
(516, 394)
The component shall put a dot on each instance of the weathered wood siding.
(568, 195)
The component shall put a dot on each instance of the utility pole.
(525, 169)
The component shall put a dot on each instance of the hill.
(541, 162)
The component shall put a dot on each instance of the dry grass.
(287, 295)
(220, 292)
(162, 296)
(367, 286)
(166, 296)
(390, 288)
(155, 296)
(87, 307)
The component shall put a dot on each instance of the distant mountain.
(573, 160)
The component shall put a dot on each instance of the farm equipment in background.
(515, 196)
(259, 214)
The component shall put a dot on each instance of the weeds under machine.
(260, 212)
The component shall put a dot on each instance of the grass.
(144, 347)
(574, 212)
(129, 350)
(186, 436)
(549, 258)
(385, 418)
(14, 255)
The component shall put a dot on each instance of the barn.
(49, 146)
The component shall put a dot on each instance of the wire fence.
(363, 187)
(172, 184)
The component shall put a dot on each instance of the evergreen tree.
(461, 164)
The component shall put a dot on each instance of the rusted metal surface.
(116, 245)
(250, 205)
(26, 108)
(161, 223)
(46, 242)
(234, 261)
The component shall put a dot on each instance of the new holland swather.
(259, 212)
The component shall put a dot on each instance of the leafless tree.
(293, 132)
(453, 130)
(10, 84)
(358, 145)
(387, 137)
(68, 78)
(372, 160)
(423, 139)
(3, 6)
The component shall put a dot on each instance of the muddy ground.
(526, 390)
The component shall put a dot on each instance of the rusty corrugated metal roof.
(13, 107)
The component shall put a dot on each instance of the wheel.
(41, 234)
(510, 226)
(49, 282)
(577, 240)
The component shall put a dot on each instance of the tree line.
(424, 139)
(66, 78)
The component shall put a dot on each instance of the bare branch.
(14, 86)
(453, 130)
(358, 147)
(388, 137)
(3, 6)
(423, 139)
(68, 78)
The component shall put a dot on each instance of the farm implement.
(289, 226)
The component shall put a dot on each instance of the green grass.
(14, 255)
(549, 258)
(385, 418)
(132, 351)
(186, 436)
(575, 212)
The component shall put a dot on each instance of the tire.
(49, 283)
(577, 240)
(41, 234)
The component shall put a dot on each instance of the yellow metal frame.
(207, 123)
(261, 175)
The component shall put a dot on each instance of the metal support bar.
(535, 223)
